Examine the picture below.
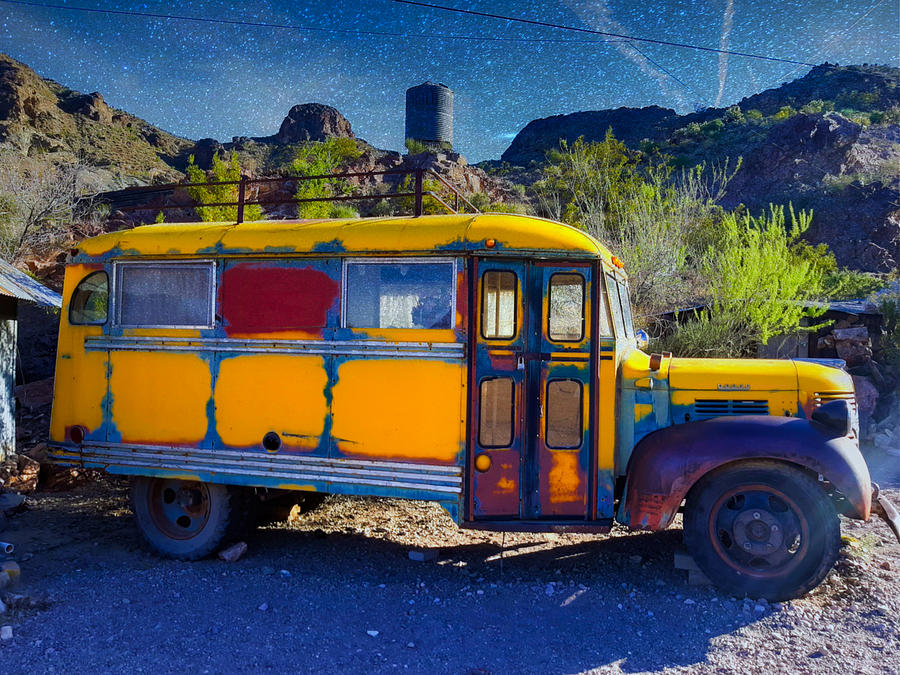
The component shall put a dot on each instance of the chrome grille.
(707, 408)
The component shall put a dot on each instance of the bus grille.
(706, 409)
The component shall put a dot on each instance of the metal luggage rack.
(245, 183)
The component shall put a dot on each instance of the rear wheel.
(185, 520)
(763, 529)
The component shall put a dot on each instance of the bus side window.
(170, 295)
(612, 290)
(399, 294)
(89, 305)
(498, 304)
(604, 328)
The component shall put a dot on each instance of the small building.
(15, 287)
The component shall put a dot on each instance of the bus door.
(557, 462)
(530, 430)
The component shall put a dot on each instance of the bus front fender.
(667, 463)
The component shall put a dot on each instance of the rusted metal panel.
(275, 297)
(668, 462)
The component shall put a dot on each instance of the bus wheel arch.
(762, 528)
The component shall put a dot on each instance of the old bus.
(487, 362)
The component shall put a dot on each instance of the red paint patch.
(262, 298)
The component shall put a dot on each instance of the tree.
(39, 201)
(222, 170)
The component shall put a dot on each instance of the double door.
(532, 393)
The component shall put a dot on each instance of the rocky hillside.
(829, 141)
(39, 116)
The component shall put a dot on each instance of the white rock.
(6, 633)
(263, 607)
(372, 633)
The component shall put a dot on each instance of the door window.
(498, 304)
(495, 423)
(566, 314)
(564, 424)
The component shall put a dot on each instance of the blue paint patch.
(333, 246)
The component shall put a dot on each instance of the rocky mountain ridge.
(828, 142)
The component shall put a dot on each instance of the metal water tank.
(429, 113)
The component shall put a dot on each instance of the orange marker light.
(483, 462)
(618, 262)
(490, 243)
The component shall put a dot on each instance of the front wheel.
(763, 529)
(185, 520)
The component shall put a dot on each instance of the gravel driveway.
(335, 591)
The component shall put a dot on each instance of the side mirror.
(642, 338)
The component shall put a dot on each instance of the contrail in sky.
(723, 44)
(597, 15)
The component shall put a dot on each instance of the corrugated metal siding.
(7, 379)
(16, 284)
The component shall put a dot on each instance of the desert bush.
(658, 221)
(784, 113)
(845, 284)
(320, 159)
(759, 276)
(222, 170)
(40, 200)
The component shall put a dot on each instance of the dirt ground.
(335, 590)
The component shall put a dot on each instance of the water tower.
(429, 114)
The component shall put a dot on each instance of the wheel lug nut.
(747, 546)
(774, 528)
(756, 515)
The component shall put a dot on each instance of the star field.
(209, 80)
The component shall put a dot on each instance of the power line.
(279, 26)
(840, 34)
(590, 31)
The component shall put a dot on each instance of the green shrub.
(734, 115)
(222, 170)
(414, 147)
(753, 114)
(321, 159)
(848, 284)
(784, 113)
(817, 106)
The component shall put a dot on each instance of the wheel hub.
(758, 532)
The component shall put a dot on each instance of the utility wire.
(840, 35)
(590, 31)
(263, 24)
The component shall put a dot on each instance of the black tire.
(184, 520)
(763, 529)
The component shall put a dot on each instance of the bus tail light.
(77, 434)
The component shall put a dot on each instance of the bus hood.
(733, 375)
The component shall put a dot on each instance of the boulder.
(313, 122)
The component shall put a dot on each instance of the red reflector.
(76, 434)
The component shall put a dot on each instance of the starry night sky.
(205, 80)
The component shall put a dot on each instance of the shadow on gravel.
(305, 600)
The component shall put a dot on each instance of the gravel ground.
(335, 590)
